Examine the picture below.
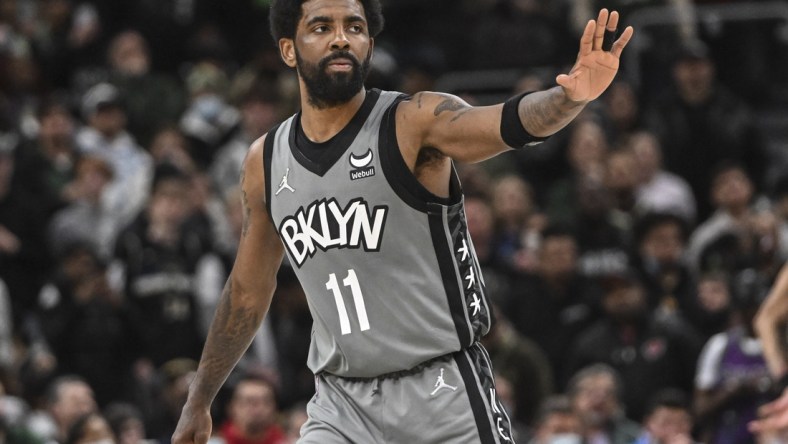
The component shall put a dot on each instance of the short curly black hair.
(285, 14)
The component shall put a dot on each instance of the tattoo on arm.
(548, 112)
(231, 332)
(449, 105)
(245, 203)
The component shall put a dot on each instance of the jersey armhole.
(268, 154)
(398, 175)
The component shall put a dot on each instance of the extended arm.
(472, 134)
(244, 302)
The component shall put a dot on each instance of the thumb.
(564, 80)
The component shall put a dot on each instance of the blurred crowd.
(626, 256)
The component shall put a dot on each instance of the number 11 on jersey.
(358, 300)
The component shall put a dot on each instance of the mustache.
(339, 55)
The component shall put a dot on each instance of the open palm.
(595, 67)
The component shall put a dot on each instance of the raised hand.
(596, 64)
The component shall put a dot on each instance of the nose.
(340, 41)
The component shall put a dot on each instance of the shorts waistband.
(418, 368)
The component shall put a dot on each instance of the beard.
(325, 90)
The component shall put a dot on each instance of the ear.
(287, 51)
(371, 48)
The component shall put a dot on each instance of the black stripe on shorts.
(476, 398)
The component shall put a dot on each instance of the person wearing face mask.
(557, 423)
(650, 352)
(91, 428)
(668, 419)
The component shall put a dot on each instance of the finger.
(587, 40)
(599, 32)
(622, 41)
(610, 31)
(612, 22)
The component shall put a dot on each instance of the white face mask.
(565, 438)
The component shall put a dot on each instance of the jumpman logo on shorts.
(283, 184)
(440, 383)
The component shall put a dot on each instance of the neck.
(321, 124)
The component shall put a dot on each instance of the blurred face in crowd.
(621, 171)
(596, 400)
(713, 294)
(170, 202)
(558, 257)
(694, 79)
(129, 54)
(96, 431)
(622, 104)
(624, 302)
(74, 399)
(559, 424)
(512, 200)
(480, 221)
(587, 147)
(109, 120)
(667, 423)
(648, 155)
(663, 243)
(258, 117)
(253, 407)
(170, 146)
(56, 128)
(732, 190)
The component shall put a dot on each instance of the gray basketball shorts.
(451, 399)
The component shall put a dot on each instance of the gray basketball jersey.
(389, 270)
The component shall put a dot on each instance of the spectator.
(86, 219)
(208, 120)
(558, 422)
(735, 223)
(714, 304)
(162, 397)
(157, 258)
(47, 163)
(481, 226)
(106, 137)
(732, 378)
(69, 397)
(253, 414)
(88, 327)
(523, 364)
(659, 262)
(23, 254)
(623, 111)
(126, 423)
(260, 109)
(622, 180)
(595, 394)
(152, 99)
(555, 303)
(668, 419)
(649, 352)
(296, 417)
(513, 206)
(699, 123)
(90, 428)
(659, 191)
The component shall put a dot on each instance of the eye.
(320, 29)
(356, 28)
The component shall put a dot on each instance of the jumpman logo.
(283, 184)
(440, 383)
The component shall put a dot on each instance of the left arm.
(472, 134)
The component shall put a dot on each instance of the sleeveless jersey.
(388, 268)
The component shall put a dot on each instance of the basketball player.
(360, 191)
